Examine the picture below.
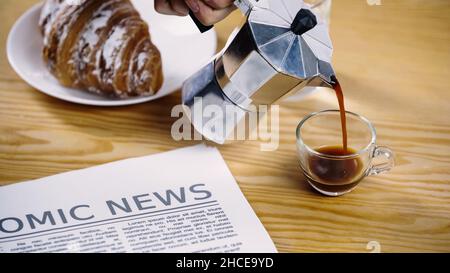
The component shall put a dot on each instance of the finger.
(180, 7)
(164, 7)
(219, 4)
(193, 5)
(207, 15)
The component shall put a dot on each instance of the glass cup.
(334, 174)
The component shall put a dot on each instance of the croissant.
(100, 46)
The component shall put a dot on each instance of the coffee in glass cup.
(327, 166)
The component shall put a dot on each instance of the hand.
(208, 12)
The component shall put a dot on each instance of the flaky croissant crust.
(100, 46)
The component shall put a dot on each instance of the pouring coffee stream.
(341, 101)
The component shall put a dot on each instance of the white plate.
(183, 49)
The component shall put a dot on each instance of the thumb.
(206, 14)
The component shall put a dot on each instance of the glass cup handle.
(387, 165)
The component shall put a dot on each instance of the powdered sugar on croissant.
(100, 46)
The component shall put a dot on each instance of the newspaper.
(180, 201)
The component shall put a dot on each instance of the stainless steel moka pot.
(281, 47)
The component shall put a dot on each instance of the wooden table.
(394, 63)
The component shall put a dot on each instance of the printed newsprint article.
(180, 201)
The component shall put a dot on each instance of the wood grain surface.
(393, 61)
